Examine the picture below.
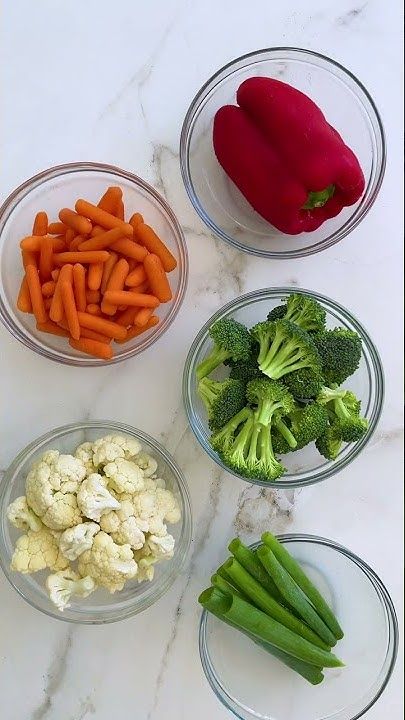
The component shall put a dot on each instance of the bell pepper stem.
(319, 199)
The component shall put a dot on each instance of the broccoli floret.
(231, 340)
(282, 435)
(279, 443)
(269, 397)
(304, 384)
(222, 400)
(344, 412)
(223, 439)
(251, 455)
(277, 313)
(305, 312)
(308, 423)
(284, 348)
(245, 372)
(330, 442)
(340, 352)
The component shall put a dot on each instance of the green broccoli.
(245, 372)
(308, 423)
(340, 353)
(344, 412)
(222, 439)
(269, 397)
(280, 445)
(231, 340)
(284, 348)
(251, 455)
(330, 442)
(301, 310)
(304, 384)
(222, 400)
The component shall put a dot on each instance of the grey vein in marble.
(54, 676)
(349, 17)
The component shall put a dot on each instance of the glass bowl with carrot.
(93, 264)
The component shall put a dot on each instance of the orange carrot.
(95, 256)
(158, 282)
(55, 274)
(45, 258)
(135, 331)
(34, 243)
(69, 306)
(136, 277)
(92, 347)
(143, 316)
(120, 210)
(48, 288)
(79, 286)
(48, 303)
(102, 241)
(24, 298)
(56, 310)
(40, 226)
(116, 282)
(37, 300)
(130, 249)
(99, 324)
(123, 297)
(77, 222)
(70, 235)
(94, 276)
(142, 288)
(107, 270)
(93, 296)
(93, 309)
(110, 199)
(97, 230)
(102, 218)
(56, 228)
(74, 244)
(52, 328)
(135, 220)
(28, 258)
(147, 237)
(126, 318)
(85, 333)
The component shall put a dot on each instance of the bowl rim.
(24, 189)
(381, 591)
(333, 467)
(187, 517)
(184, 155)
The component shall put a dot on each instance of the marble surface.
(111, 82)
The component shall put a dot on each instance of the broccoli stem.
(286, 433)
(216, 357)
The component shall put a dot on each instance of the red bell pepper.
(287, 160)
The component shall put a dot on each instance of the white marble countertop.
(111, 82)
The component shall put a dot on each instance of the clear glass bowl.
(60, 187)
(347, 106)
(101, 606)
(305, 466)
(255, 686)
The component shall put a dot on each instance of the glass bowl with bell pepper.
(282, 152)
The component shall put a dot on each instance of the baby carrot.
(28, 258)
(92, 347)
(147, 237)
(79, 286)
(94, 276)
(135, 331)
(89, 257)
(130, 249)
(48, 303)
(126, 318)
(93, 309)
(135, 220)
(56, 228)
(33, 243)
(116, 282)
(143, 316)
(24, 298)
(97, 230)
(69, 306)
(48, 288)
(136, 277)
(120, 210)
(77, 222)
(93, 296)
(55, 274)
(70, 234)
(45, 258)
(52, 328)
(56, 309)
(107, 270)
(37, 300)
(102, 241)
(40, 226)
(123, 297)
(74, 244)
(158, 282)
(99, 324)
(102, 218)
(142, 288)
(85, 333)
(110, 199)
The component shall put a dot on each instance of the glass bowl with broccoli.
(283, 386)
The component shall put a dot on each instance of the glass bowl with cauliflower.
(95, 522)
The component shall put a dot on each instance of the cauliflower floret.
(111, 447)
(161, 547)
(65, 583)
(21, 516)
(109, 564)
(146, 569)
(84, 453)
(63, 513)
(153, 483)
(94, 499)
(123, 526)
(168, 506)
(146, 511)
(74, 541)
(147, 463)
(37, 551)
(124, 476)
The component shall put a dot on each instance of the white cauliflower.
(147, 463)
(124, 476)
(63, 513)
(74, 541)
(109, 564)
(122, 525)
(153, 483)
(84, 453)
(94, 499)
(65, 583)
(37, 551)
(146, 568)
(161, 547)
(154, 507)
(21, 516)
(111, 447)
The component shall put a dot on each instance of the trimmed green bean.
(249, 561)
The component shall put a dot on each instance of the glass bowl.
(60, 187)
(305, 466)
(347, 106)
(253, 685)
(101, 606)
